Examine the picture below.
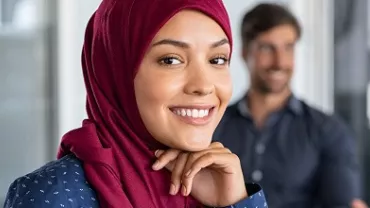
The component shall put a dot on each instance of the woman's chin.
(188, 142)
(196, 146)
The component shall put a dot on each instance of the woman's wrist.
(243, 196)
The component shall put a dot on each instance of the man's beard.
(265, 87)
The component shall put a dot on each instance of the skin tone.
(182, 88)
(357, 203)
(270, 60)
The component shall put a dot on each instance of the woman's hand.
(357, 203)
(213, 176)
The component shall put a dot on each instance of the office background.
(42, 93)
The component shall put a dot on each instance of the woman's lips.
(194, 115)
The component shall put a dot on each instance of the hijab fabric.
(113, 144)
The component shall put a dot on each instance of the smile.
(194, 115)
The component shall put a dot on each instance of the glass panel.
(24, 91)
(352, 74)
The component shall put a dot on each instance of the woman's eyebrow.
(182, 44)
(173, 42)
(220, 43)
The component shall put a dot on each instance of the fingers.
(174, 161)
(177, 173)
(222, 161)
(216, 145)
(357, 203)
(184, 166)
(194, 156)
(165, 158)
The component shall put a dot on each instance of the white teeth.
(201, 113)
(188, 112)
(195, 113)
(183, 112)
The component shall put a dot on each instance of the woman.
(158, 82)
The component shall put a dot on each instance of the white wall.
(312, 81)
(73, 17)
(23, 98)
(314, 78)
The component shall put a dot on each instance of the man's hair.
(264, 17)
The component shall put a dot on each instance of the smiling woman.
(190, 81)
(157, 86)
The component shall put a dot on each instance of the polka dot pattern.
(62, 184)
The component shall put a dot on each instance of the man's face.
(270, 59)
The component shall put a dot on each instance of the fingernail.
(173, 189)
(183, 190)
(188, 173)
(158, 153)
(155, 166)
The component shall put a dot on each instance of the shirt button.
(257, 175)
(260, 149)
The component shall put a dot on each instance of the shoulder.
(231, 113)
(331, 128)
(325, 121)
(230, 117)
(60, 183)
(232, 110)
(313, 114)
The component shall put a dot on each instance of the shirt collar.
(293, 104)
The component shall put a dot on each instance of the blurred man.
(302, 157)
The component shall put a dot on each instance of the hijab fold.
(113, 143)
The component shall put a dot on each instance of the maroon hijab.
(113, 143)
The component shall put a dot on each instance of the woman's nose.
(199, 82)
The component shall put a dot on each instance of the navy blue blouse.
(62, 184)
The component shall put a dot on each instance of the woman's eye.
(170, 61)
(219, 61)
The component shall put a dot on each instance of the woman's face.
(183, 84)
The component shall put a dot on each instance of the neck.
(261, 105)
